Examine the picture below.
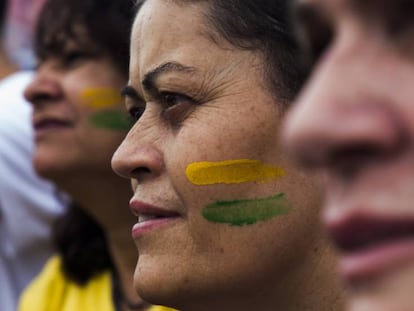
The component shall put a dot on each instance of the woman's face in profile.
(220, 208)
(78, 115)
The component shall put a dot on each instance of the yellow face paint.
(232, 172)
(99, 98)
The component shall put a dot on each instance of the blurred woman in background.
(82, 48)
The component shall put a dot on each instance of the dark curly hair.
(81, 243)
(107, 24)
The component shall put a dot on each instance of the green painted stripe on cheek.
(111, 119)
(232, 172)
(246, 212)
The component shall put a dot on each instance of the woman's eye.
(73, 57)
(136, 113)
(176, 107)
(172, 99)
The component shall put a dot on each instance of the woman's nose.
(339, 125)
(43, 89)
(137, 158)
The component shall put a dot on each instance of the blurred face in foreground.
(354, 124)
(223, 218)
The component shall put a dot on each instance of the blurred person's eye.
(400, 18)
(395, 18)
(74, 57)
(314, 32)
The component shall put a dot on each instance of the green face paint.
(246, 212)
(111, 119)
(231, 172)
(99, 98)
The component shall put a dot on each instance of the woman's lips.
(150, 217)
(368, 264)
(370, 247)
(45, 125)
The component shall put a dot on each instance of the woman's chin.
(155, 290)
(47, 170)
(391, 291)
(53, 170)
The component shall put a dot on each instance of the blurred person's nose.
(44, 88)
(340, 122)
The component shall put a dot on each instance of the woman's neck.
(124, 255)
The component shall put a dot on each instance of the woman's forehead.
(161, 28)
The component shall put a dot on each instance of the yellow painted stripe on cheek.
(99, 98)
(232, 172)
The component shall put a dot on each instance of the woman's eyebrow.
(150, 77)
(129, 91)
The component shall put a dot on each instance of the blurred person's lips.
(150, 217)
(42, 124)
(371, 246)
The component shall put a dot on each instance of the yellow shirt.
(160, 308)
(52, 291)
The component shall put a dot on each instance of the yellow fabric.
(51, 291)
(159, 308)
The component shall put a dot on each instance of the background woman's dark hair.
(78, 238)
(107, 24)
(81, 243)
(260, 25)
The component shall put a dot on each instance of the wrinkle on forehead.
(155, 43)
(145, 31)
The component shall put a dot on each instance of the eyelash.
(135, 113)
(71, 58)
(168, 101)
(165, 99)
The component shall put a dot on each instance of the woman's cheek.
(104, 103)
(239, 211)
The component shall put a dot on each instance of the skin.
(77, 155)
(216, 111)
(354, 124)
(62, 82)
